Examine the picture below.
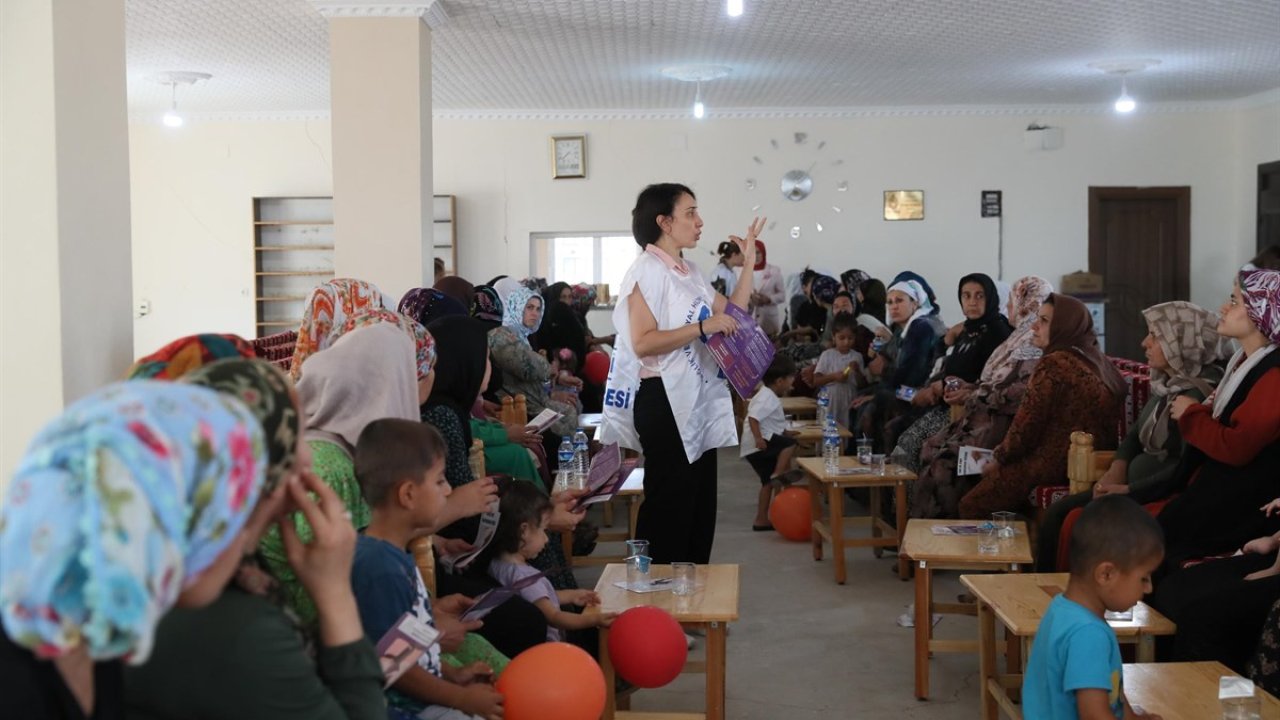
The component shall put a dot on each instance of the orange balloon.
(552, 681)
(791, 513)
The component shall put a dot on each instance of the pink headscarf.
(1261, 290)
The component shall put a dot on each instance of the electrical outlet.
(142, 308)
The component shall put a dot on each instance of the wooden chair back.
(1084, 464)
(423, 554)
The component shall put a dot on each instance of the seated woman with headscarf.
(805, 343)
(970, 344)
(903, 363)
(523, 370)
(989, 407)
(271, 661)
(1074, 387)
(1183, 348)
(328, 308)
(1231, 465)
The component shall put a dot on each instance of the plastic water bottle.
(830, 446)
(581, 459)
(564, 474)
(824, 405)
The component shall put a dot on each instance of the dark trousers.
(513, 627)
(1219, 614)
(678, 515)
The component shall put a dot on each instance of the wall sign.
(991, 203)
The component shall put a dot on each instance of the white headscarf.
(915, 291)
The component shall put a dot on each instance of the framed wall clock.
(568, 156)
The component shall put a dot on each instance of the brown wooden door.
(1268, 205)
(1140, 242)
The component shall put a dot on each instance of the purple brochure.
(743, 356)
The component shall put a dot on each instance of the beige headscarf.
(1189, 337)
(368, 374)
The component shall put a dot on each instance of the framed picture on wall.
(903, 204)
(568, 156)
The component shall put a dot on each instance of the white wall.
(192, 193)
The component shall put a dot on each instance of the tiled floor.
(807, 648)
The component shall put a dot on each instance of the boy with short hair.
(766, 444)
(1075, 670)
(400, 466)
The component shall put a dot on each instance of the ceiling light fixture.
(1123, 68)
(733, 8)
(697, 74)
(173, 78)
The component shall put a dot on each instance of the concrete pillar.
(66, 324)
(380, 98)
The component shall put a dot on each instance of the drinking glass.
(1003, 520)
(684, 577)
(877, 463)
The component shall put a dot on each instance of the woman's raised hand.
(748, 245)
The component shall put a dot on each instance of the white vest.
(696, 389)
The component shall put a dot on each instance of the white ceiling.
(271, 56)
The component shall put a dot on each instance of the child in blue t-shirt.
(1074, 670)
(400, 466)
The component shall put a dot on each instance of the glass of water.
(637, 572)
(864, 450)
(684, 578)
(1003, 520)
(877, 463)
(989, 541)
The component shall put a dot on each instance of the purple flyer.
(743, 356)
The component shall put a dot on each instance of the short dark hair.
(1114, 529)
(654, 201)
(391, 451)
(782, 366)
(844, 321)
(728, 249)
(1268, 259)
(522, 502)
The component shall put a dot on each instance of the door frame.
(1182, 243)
(1268, 168)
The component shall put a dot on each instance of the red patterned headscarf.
(1261, 291)
(328, 308)
(424, 345)
(186, 354)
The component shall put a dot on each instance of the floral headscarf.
(186, 354)
(513, 311)
(129, 493)
(328, 308)
(584, 298)
(853, 279)
(824, 289)
(1028, 294)
(1188, 336)
(1261, 291)
(427, 305)
(486, 305)
(424, 344)
(265, 390)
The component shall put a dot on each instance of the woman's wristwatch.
(701, 333)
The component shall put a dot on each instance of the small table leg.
(986, 658)
(900, 496)
(815, 505)
(715, 670)
(1146, 652)
(634, 508)
(835, 499)
(924, 627)
(610, 698)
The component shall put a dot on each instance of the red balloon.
(552, 681)
(596, 367)
(791, 513)
(647, 647)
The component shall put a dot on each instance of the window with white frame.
(592, 258)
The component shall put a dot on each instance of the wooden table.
(832, 528)
(800, 407)
(590, 423)
(1019, 602)
(932, 552)
(710, 608)
(809, 433)
(1184, 691)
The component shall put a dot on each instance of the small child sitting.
(1075, 670)
(840, 368)
(765, 442)
(400, 466)
(522, 533)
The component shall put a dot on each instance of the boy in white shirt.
(766, 443)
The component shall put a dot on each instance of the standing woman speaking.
(665, 395)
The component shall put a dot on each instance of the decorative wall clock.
(810, 186)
